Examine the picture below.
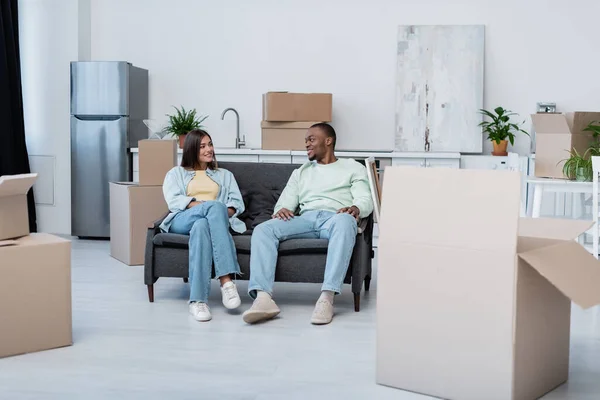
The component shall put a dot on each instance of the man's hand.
(284, 214)
(194, 203)
(353, 210)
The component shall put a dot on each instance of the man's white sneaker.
(231, 297)
(323, 313)
(200, 311)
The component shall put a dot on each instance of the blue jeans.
(340, 229)
(210, 240)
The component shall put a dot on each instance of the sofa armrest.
(361, 261)
(153, 230)
(362, 225)
(156, 224)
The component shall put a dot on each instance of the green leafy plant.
(578, 166)
(184, 121)
(594, 128)
(499, 127)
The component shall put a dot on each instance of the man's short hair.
(327, 130)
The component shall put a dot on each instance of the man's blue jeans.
(210, 240)
(340, 229)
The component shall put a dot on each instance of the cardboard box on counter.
(297, 107)
(556, 135)
(472, 302)
(14, 217)
(156, 158)
(132, 208)
(284, 135)
(35, 294)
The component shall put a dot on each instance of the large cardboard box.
(132, 208)
(294, 107)
(14, 218)
(156, 158)
(35, 294)
(556, 135)
(284, 135)
(473, 302)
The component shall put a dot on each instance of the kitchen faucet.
(238, 141)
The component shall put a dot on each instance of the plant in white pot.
(500, 129)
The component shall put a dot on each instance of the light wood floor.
(127, 348)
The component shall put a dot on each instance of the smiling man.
(324, 198)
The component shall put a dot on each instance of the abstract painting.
(439, 88)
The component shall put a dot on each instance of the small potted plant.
(578, 167)
(500, 130)
(182, 122)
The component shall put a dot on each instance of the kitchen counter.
(242, 151)
(343, 153)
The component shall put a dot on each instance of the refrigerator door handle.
(98, 117)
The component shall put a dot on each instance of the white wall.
(212, 55)
(50, 35)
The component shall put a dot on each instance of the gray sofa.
(300, 260)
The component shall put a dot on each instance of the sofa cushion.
(242, 243)
(261, 185)
(258, 201)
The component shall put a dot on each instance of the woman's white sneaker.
(231, 297)
(200, 311)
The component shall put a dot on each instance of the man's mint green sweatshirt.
(327, 187)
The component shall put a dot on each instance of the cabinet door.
(278, 159)
(442, 163)
(412, 162)
(237, 157)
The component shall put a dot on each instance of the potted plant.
(500, 130)
(578, 167)
(595, 145)
(182, 122)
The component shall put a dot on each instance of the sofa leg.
(185, 280)
(356, 302)
(151, 293)
(367, 283)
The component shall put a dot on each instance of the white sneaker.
(262, 309)
(200, 311)
(231, 298)
(323, 313)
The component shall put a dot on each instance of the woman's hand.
(230, 211)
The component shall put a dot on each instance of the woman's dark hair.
(191, 150)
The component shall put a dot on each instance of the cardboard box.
(156, 158)
(14, 217)
(473, 302)
(556, 135)
(284, 135)
(35, 294)
(294, 107)
(132, 208)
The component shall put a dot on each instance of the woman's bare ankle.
(224, 279)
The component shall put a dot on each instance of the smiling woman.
(204, 202)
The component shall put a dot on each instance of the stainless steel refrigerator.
(109, 101)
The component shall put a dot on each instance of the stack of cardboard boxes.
(557, 134)
(133, 206)
(35, 277)
(287, 116)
